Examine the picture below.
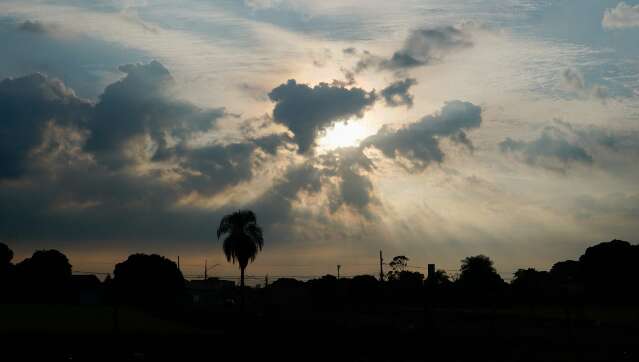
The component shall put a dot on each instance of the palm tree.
(244, 239)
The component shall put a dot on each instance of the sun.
(344, 134)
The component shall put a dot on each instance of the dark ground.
(86, 333)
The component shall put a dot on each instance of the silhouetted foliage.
(324, 292)
(398, 265)
(530, 285)
(567, 271)
(439, 278)
(364, 289)
(6, 272)
(148, 280)
(479, 280)
(244, 238)
(6, 255)
(44, 277)
(609, 270)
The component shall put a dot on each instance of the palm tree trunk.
(242, 288)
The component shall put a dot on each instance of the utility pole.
(205, 269)
(266, 281)
(381, 267)
(179, 262)
(338, 267)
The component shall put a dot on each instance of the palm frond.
(245, 237)
(225, 225)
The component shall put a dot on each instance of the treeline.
(606, 273)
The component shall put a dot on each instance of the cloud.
(276, 205)
(141, 104)
(26, 105)
(353, 187)
(307, 111)
(272, 142)
(63, 160)
(422, 47)
(419, 143)
(396, 94)
(35, 27)
(573, 81)
(561, 145)
(552, 150)
(86, 64)
(621, 16)
(136, 122)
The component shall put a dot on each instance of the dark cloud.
(60, 154)
(210, 169)
(86, 64)
(396, 94)
(349, 51)
(276, 205)
(26, 105)
(342, 173)
(425, 46)
(307, 111)
(35, 27)
(71, 182)
(272, 142)
(552, 150)
(422, 47)
(419, 142)
(561, 144)
(141, 105)
(350, 167)
(349, 79)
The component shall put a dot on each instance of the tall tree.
(243, 241)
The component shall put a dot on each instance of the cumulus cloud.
(621, 16)
(62, 160)
(396, 94)
(141, 105)
(422, 47)
(135, 114)
(573, 81)
(419, 143)
(308, 111)
(26, 105)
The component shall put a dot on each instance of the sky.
(432, 129)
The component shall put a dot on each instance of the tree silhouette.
(530, 284)
(243, 241)
(45, 276)
(398, 265)
(6, 254)
(147, 280)
(609, 270)
(479, 277)
(6, 271)
(439, 278)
